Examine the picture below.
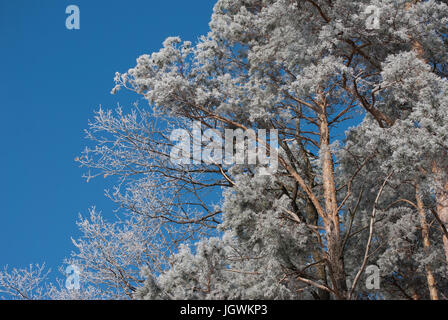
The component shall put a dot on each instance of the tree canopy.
(361, 111)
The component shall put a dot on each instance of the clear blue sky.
(51, 81)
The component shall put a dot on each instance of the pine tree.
(358, 93)
(304, 68)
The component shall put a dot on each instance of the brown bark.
(427, 245)
(442, 202)
(312, 218)
(332, 226)
(441, 195)
(321, 274)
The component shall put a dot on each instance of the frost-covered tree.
(313, 70)
(110, 255)
(32, 283)
(24, 284)
(304, 68)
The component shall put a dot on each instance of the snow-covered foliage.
(313, 70)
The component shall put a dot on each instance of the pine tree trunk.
(332, 225)
(427, 245)
(312, 218)
(441, 196)
(442, 204)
